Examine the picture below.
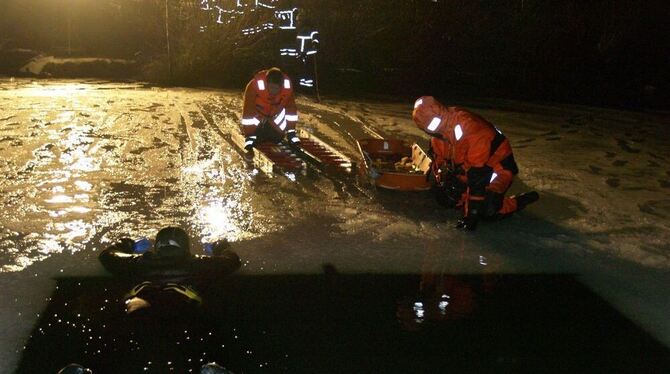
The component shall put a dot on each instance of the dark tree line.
(602, 51)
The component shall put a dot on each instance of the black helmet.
(172, 241)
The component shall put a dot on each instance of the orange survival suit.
(476, 152)
(267, 115)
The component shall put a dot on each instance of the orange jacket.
(259, 106)
(464, 139)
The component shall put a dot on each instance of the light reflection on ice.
(76, 145)
(73, 229)
(83, 185)
(19, 264)
(64, 117)
(59, 90)
(78, 209)
(50, 245)
(60, 199)
(218, 221)
(81, 197)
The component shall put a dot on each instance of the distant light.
(288, 16)
(307, 82)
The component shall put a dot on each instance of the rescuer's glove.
(469, 222)
(292, 137)
(430, 174)
(249, 142)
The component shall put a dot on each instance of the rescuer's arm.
(250, 116)
(478, 177)
(291, 120)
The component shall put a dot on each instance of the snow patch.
(36, 65)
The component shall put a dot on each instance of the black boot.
(525, 199)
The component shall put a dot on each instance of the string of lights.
(274, 17)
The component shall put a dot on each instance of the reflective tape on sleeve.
(253, 121)
(434, 123)
(458, 132)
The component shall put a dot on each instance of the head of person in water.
(172, 242)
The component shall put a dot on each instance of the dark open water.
(347, 323)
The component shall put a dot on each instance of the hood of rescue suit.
(433, 118)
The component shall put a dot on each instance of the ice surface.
(85, 163)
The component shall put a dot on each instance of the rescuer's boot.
(525, 199)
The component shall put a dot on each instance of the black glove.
(449, 189)
(292, 137)
(430, 175)
(469, 222)
(250, 142)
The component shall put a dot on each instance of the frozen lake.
(85, 163)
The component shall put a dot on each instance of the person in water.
(170, 257)
(167, 272)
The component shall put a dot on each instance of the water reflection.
(515, 323)
(443, 294)
(440, 298)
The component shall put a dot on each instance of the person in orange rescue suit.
(269, 111)
(471, 152)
